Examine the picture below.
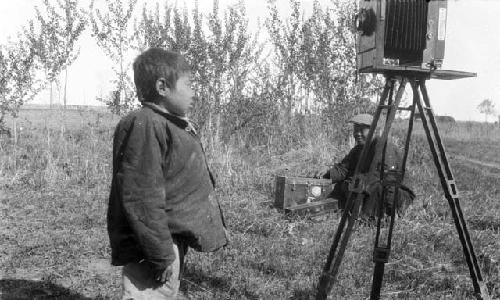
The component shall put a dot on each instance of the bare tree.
(486, 107)
(152, 30)
(53, 35)
(112, 32)
(18, 81)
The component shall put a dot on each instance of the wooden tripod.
(391, 179)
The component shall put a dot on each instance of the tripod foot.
(484, 292)
(325, 285)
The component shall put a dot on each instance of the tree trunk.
(65, 85)
(51, 94)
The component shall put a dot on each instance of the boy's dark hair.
(155, 63)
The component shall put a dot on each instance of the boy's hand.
(162, 276)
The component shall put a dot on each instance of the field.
(55, 177)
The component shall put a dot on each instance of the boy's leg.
(138, 282)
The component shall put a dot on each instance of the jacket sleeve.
(338, 172)
(341, 170)
(140, 176)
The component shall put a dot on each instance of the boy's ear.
(162, 87)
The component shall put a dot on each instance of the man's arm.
(340, 171)
(140, 177)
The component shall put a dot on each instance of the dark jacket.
(342, 173)
(161, 188)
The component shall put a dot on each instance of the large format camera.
(397, 34)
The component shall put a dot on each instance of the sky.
(472, 44)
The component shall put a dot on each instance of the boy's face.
(360, 133)
(179, 99)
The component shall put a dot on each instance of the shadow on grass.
(303, 294)
(19, 289)
(194, 280)
(272, 268)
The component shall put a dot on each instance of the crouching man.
(342, 173)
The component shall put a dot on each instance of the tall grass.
(61, 149)
(56, 178)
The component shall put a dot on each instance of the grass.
(55, 181)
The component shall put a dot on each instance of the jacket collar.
(183, 122)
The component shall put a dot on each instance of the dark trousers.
(372, 201)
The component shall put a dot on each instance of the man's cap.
(362, 119)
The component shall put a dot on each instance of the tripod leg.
(351, 211)
(382, 249)
(330, 271)
(450, 190)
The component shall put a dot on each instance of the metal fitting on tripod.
(381, 254)
(392, 177)
(358, 183)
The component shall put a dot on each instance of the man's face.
(179, 99)
(360, 133)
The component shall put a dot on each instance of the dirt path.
(477, 162)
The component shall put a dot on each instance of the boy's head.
(164, 77)
(361, 127)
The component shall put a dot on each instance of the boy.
(160, 200)
(342, 173)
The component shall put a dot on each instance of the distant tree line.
(42, 50)
(297, 84)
